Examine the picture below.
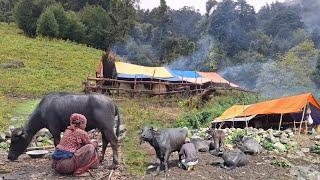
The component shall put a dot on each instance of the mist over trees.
(252, 48)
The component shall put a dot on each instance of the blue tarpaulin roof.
(132, 76)
(186, 74)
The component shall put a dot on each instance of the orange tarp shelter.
(291, 104)
(233, 112)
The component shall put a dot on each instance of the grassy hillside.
(50, 65)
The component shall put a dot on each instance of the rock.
(291, 135)
(292, 143)
(8, 134)
(305, 150)
(288, 131)
(317, 137)
(8, 141)
(284, 140)
(40, 139)
(2, 137)
(122, 128)
(303, 172)
(299, 154)
(279, 146)
(277, 134)
(11, 128)
(42, 132)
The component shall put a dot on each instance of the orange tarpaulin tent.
(284, 105)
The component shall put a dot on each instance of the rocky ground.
(288, 157)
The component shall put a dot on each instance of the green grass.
(138, 113)
(50, 65)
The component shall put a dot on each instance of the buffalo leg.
(166, 159)
(159, 163)
(56, 137)
(104, 146)
(111, 137)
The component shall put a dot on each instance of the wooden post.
(306, 123)
(304, 109)
(294, 126)
(280, 121)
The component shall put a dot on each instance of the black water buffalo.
(53, 113)
(164, 142)
(234, 159)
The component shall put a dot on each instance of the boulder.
(305, 172)
(8, 134)
(284, 140)
(42, 132)
(2, 137)
(40, 138)
(317, 137)
(279, 146)
(250, 146)
(292, 143)
(305, 150)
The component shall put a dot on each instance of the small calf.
(164, 142)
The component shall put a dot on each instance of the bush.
(47, 25)
(195, 118)
(97, 25)
(268, 145)
(231, 139)
(61, 18)
(27, 12)
(75, 31)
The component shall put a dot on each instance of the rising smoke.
(196, 61)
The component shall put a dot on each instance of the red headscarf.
(77, 118)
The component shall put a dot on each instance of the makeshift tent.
(290, 109)
(233, 113)
(284, 105)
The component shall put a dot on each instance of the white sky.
(198, 4)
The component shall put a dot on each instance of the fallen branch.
(110, 174)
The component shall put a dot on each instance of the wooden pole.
(294, 126)
(306, 131)
(304, 109)
(280, 122)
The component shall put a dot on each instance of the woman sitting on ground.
(75, 154)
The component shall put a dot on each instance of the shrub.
(268, 145)
(61, 18)
(75, 31)
(47, 25)
(234, 135)
(27, 12)
(97, 25)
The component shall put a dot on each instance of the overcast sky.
(198, 4)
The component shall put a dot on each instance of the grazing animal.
(234, 159)
(164, 142)
(218, 137)
(250, 146)
(53, 113)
